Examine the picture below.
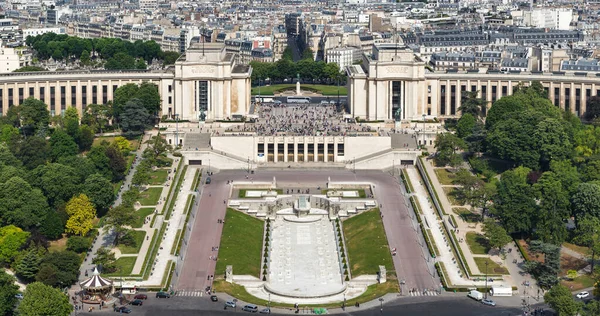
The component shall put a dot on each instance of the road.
(417, 306)
(410, 262)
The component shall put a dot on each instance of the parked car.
(141, 297)
(488, 302)
(230, 304)
(214, 298)
(123, 310)
(250, 308)
(208, 180)
(583, 294)
(137, 302)
(19, 296)
(265, 311)
(163, 295)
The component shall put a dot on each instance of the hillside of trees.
(113, 53)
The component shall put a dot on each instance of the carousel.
(96, 290)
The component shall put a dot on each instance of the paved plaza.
(304, 257)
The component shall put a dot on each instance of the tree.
(588, 234)
(140, 64)
(447, 144)
(465, 125)
(169, 58)
(117, 163)
(514, 203)
(149, 96)
(12, 238)
(121, 96)
(29, 265)
(62, 268)
(586, 201)
(553, 141)
(78, 244)
(84, 58)
(21, 204)
(105, 258)
(471, 104)
(118, 217)
(71, 122)
(32, 151)
(62, 145)
(8, 292)
(592, 110)
(100, 192)
(97, 116)
(97, 155)
(308, 54)
(567, 174)
(587, 142)
(545, 273)
(134, 117)
(561, 300)
(58, 182)
(8, 133)
(553, 209)
(81, 215)
(157, 146)
(122, 144)
(496, 234)
(34, 115)
(85, 137)
(40, 299)
(53, 225)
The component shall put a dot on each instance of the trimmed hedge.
(522, 251)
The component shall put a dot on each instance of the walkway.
(106, 237)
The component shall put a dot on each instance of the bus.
(262, 99)
(298, 99)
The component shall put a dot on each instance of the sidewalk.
(443, 200)
(105, 237)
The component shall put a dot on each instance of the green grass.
(151, 254)
(477, 243)
(139, 236)
(361, 193)
(168, 275)
(373, 291)
(579, 249)
(150, 196)
(492, 268)
(176, 242)
(437, 197)
(197, 180)
(466, 215)
(124, 266)
(176, 193)
(433, 249)
(452, 195)
(444, 176)
(367, 244)
(241, 244)
(323, 89)
(158, 176)
(406, 179)
(168, 201)
(141, 215)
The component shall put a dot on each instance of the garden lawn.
(579, 249)
(158, 176)
(241, 244)
(451, 193)
(124, 266)
(493, 268)
(466, 215)
(367, 244)
(150, 196)
(477, 243)
(323, 89)
(444, 176)
(141, 215)
(139, 236)
(580, 282)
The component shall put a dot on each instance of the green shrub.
(78, 244)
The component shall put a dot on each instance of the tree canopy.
(41, 300)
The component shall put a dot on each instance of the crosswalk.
(194, 293)
(423, 293)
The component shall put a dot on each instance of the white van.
(250, 308)
(476, 295)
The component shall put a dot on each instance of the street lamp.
(344, 304)
(248, 164)
(381, 308)
(402, 282)
(269, 303)
(354, 163)
(486, 278)
(208, 166)
(235, 303)
(423, 130)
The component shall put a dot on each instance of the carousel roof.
(96, 282)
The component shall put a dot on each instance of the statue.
(397, 114)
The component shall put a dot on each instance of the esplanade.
(208, 84)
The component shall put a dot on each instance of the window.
(43, 94)
(567, 99)
(84, 99)
(95, 94)
(63, 102)
(31, 92)
(170, 100)
(21, 96)
(494, 93)
(473, 88)
(557, 96)
(504, 91)
(104, 94)
(396, 97)
(202, 93)
(443, 99)
(73, 96)
(452, 99)
(52, 98)
(170, 88)
(1, 101)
